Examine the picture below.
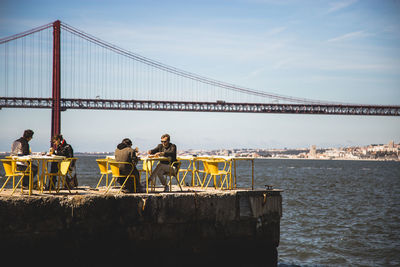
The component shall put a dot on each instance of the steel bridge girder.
(106, 104)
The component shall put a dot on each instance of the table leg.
(42, 174)
(234, 167)
(231, 176)
(147, 181)
(30, 178)
(107, 166)
(252, 174)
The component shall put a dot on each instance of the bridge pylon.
(56, 85)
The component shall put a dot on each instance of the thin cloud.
(282, 63)
(349, 36)
(336, 6)
(275, 31)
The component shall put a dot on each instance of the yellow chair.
(63, 169)
(147, 167)
(10, 168)
(104, 170)
(177, 165)
(186, 170)
(49, 175)
(115, 165)
(72, 168)
(211, 168)
(26, 172)
(197, 171)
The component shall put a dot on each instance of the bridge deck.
(150, 105)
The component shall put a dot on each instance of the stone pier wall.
(239, 228)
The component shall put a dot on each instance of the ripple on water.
(343, 213)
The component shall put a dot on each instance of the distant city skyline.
(344, 51)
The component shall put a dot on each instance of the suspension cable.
(186, 74)
(25, 33)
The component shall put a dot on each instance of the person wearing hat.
(125, 153)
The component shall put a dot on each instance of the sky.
(345, 50)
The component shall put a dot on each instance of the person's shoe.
(166, 188)
(75, 181)
(125, 190)
(141, 190)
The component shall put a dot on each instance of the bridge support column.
(56, 91)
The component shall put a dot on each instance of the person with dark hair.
(62, 148)
(165, 149)
(125, 153)
(20, 147)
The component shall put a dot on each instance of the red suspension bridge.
(59, 67)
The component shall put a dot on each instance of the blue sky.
(346, 51)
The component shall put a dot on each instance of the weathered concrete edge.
(189, 220)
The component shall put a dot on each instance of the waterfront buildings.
(390, 151)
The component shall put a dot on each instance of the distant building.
(391, 144)
(313, 151)
(391, 147)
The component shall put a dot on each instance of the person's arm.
(69, 152)
(134, 157)
(65, 151)
(155, 150)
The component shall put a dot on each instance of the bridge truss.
(219, 106)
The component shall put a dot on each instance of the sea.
(335, 212)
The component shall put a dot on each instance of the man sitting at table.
(62, 148)
(20, 147)
(165, 149)
(125, 153)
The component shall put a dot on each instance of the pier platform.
(194, 227)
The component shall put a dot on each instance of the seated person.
(20, 147)
(62, 148)
(165, 149)
(125, 153)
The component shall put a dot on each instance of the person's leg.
(53, 179)
(129, 184)
(154, 174)
(163, 170)
(25, 179)
(160, 171)
(34, 170)
(34, 174)
(139, 188)
(74, 178)
(71, 179)
(120, 180)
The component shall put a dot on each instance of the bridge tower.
(56, 88)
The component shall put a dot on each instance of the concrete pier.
(194, 227)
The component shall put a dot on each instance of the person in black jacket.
(165, 149)
(125, 153)
(20, 147)
(62, 148)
